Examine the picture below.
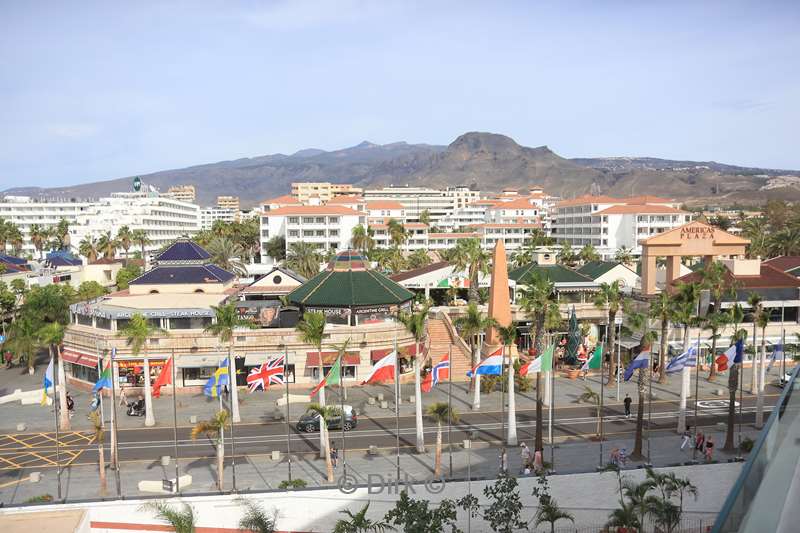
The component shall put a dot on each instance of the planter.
(573, 373)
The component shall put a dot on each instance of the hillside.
(483, 160)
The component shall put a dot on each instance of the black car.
(309, 422)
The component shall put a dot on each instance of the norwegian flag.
(439, 373)
(270, 372)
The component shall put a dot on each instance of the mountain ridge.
(488, 161)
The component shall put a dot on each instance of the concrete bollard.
(380, 396)
(373, 450)
(276, 455)
(384, 404)
(21, 426)
(719, 392)
(193, 419)
(165, 459)
(412, 399)
(467, 444)
(35, 477)
(371, 400)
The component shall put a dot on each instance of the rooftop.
(384, 204)
(595, 269)
(769, 277)
(183, 251)
(555, 273)
(640, 208)
(602, 199)
(312, 210)
(786, 263)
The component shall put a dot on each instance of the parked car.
(309, 422)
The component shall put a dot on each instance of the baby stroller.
(136, 408)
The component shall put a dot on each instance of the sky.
(93, 90)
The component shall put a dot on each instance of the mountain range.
(486, 161)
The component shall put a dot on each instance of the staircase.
(443, 337)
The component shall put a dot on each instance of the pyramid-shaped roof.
(183, 251)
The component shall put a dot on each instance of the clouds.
(72, 131)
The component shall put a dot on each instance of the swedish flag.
(218, 380)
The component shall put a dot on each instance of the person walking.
(9, 359)
(623, 457)
(709, 449)
(613, 457)
(699, 441)
(70, 405)
(686, 438)
(538, 463)
(503, 461)
(334, 456)
(123, 398)
(525, 456)
(627, 401)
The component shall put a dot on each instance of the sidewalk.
(260, 406)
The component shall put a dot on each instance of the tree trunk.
(753, 364)
(512, 410)
(538, 440)
(611, 335)
(686, 378)
(323, 440)
(662, 356)
(232, 382)
(149, 418)
(221, 462)
(733, 384)
(637, 445)
(63, 415)
(473, 286)
(101, 462)
(761, 378)
(328, 463)
(418, 403)
(712, 373)
(437, 465)
(476, 388)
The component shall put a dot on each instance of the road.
(149, 444)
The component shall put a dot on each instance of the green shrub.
(42, 498)
(746, 445)
(293, 484)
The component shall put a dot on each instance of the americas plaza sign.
(697, 232)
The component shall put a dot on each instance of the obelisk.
(499, 300)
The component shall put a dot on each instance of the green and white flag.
(596, 360)
(543, 363)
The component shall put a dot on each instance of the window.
(189, 323)
(293, 233)
(320, 233)
(333, 220)
(293, 220)
(84, 320)
(308, 220)
(334, 233)
(276, 279)
(102, 323)
(308, 233)
(320, 220)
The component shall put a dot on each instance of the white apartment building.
(323, 191)
(209, 215)
(610, 223)
(184, 193)
(165, 219)
(384, 210)
(327, 226)
(469, 216)
(415, 200)
(25, 211)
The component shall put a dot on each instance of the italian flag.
(333, 377)
(543, 363)
(596, 360)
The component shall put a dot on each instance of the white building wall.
(25, 212)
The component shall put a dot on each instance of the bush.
(293, 484)
(746, 445)
(42, 498)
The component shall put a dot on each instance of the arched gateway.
(695, 239)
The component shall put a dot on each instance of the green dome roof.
(347, 283)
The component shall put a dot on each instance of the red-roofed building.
(329, 227)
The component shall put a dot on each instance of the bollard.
(21, 426)
(276, 455)
(373, 450)
(35, 477)
(165, 460)
(380, 396)
(193, 419)
(412, 399)
(384, 404)
(371, 400)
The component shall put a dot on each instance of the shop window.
(83, 373)
(84, 320)
(189, 323)
(102, 323)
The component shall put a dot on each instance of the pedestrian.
(525, 455)
(9, 359)
(613, 458)
(627, 401)
(538, 464)
(623, 457)
(225, 392)
(334, 456)
(686, 438)
(70, 405)
(709, 449)
(699, 441)
(503, 461)
(123, 398)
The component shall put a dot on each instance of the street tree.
(440, 412)
(609, 298)
(99, 439)
(470, 326)
(136, 332)
(736, 317)
(326, 413)
(508, 334)
(311, 330)
(214, 430)
(304, 258)
(415, 324)
(52, 335)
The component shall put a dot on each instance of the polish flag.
(383, 370)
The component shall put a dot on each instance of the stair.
(442, 337)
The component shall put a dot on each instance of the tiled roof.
(384, 204)
(183, 250)
(348, 289)
(402, 276)
(511, 225)
(555, 273)
(346, 199)
(312, 210)
(589, 199)
(452, 235)
(646, 199)
(286, 199)
(784, 262)
(639, 208)
(518, 203)
(769, 277)
(595, 269)
(11, 259)
(163, 275)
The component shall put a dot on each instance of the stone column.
(673, 269)
(648, 274)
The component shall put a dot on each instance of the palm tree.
(304, 259)
(566, 256)
(99, 438)
(590, 396)
(638, 321)
(397, 232)
(88, 248)
(685, 300)
(736, 318)
(359, 523)
(624, 255)
(361, 239)
(588, 254)
(52, 335)
(136, 332)
(425, 217)
(227, 254)
(714, 278)
(469, 256)
(662, 309)
(38, 236)
(415, 323)
(312, 331)
(107, 245)
(470, 326)
(624, 517)
(61, 233)
(255, 518)
(508, 334)
(755, 302)
(226, 321)
(214, 430)
(637, 496)
(125, 239)
(549, 513)
(326, 413)
(419, 259)
(762, 321)
(715, 321)
(140, 237)
(610, 298)
(440, 412)
(755, 229)
(23, 339)
(181, 521)
(15, 237)
(276, 248)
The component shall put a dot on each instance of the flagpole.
(99, 394)
(397, 401)
(783, 342)
(550, 410)
(288, 426)
(619, 356)
(55, 402)
(114, 432)
(450, 406)
(697, 388)
(602, 386)
(175, 420)
(740, 369)
(341, 402)
(650, 407)
(502, 406)
(231, 384)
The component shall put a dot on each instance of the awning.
(377, 355)
(328, 358)
(259, 358)
(199, 361)
(79, 358)
(410, 351)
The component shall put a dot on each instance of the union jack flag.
(270, 372)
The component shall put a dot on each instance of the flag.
(641, 361)
(687, 358)
(543, 363)
(596, 360)
(333, 377)
(491, 366)
(732, 355)
(104, 382)
(218, 380)
(263, 376)
(164, 378)
(439, 373)
(777, 353)
(48, 381)
(383, 370)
